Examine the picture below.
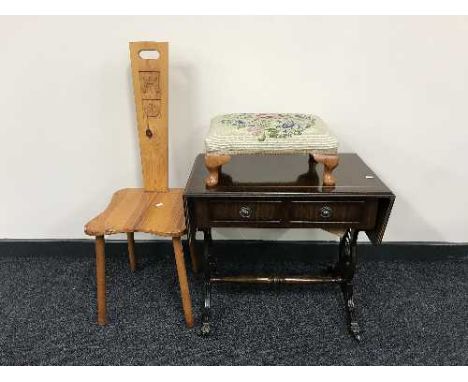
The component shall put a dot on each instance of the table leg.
(191, 237)
(207, 270)
(346, 267)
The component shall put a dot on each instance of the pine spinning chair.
(155, 208)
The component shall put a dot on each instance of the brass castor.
(205, 329)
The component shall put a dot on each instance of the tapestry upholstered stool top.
(268, 133)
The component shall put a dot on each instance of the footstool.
(268, 133)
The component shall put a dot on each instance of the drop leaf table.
(287, 191)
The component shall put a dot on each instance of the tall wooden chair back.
(149, 62)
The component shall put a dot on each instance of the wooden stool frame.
(215, 161)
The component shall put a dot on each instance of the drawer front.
(245, 211)
(351, 212)
(285, 213)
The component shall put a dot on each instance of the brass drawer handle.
(245, 212)
(326, 212)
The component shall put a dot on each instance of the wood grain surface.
(150, 88)
(136, 210)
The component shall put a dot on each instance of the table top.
(285, 174)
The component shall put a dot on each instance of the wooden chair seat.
(137, 210)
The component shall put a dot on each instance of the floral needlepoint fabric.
(269, 133)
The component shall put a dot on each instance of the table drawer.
(245, 211)
(286, 213)
(356, 212)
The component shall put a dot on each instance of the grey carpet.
(412, 306)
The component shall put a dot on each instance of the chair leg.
(101, 281)
(131, 251)
(183, 282)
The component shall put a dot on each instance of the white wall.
(394, 90)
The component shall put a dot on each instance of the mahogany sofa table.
(285, 191)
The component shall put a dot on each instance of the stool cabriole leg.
(330, 162)
(213, 163)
